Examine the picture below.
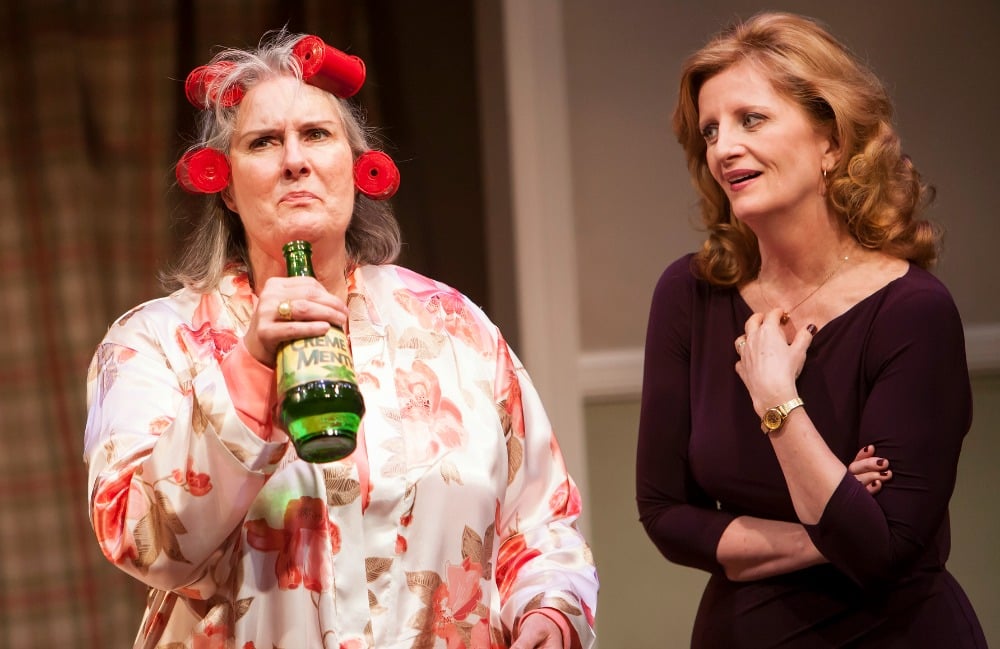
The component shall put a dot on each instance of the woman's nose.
(729, 142)
(295, 162)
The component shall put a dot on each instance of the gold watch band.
(774, 418)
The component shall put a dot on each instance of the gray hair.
(218, 241)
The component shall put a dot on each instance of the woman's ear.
(227, 198)
(831, 149)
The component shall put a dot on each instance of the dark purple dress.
(891, 372)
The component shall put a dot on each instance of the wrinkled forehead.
(280, 99)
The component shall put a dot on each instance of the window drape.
(92, 117)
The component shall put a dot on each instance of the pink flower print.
(241, 282)
(588, 613)
(440, 308)
(353, 643)
(367, 378)
(431, 422)
(213, 637)
(198, 484)
(508, 391)
(454, 599)
(159, 425)
(206, 342)
(565, 500)
(190, 593)
(450, 309)
(305, 545)
(481, 636)
(210, 308)
(512, 557)
(108, 358)
(112, 503)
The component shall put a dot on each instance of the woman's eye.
(710, 132)
(317, 134)
(750, 120)
(260, 142)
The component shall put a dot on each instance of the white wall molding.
(982, 347)
(614, 374)
(611, 373)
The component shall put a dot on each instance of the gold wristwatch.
(774, 418)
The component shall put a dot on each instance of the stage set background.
(533, 140)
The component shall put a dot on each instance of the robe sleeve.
(172, 467)
(543, 559)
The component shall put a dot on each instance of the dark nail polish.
(868, 448)
(811, 328)
(884, 474)
(880, 463)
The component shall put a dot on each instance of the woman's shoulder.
(921, 288)
(915, 305)
(681, 268)
(165, 307)
(396, 293)
(160, 317)
(680, 279)
(394, 280)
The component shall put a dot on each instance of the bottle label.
(326, 357)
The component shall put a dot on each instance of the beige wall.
(633, 212)
(633, 204)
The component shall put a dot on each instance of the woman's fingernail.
(880, 462)
(868, 448)
(884, 474)
(811, 328)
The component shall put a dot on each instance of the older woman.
(805, 328)
(451, 525)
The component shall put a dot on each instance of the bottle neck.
(298, 259)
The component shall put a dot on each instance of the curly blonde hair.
(873, 188)
(218, 241)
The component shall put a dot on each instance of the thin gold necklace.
(786, 315)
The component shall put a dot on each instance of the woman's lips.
(298, 197)
(740, 178)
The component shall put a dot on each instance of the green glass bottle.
(319, 403)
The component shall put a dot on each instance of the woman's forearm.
(754, 548)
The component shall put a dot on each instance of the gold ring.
(739, 345)
(284, 310)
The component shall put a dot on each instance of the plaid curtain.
(92, 116)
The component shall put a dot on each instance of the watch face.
(772, 418)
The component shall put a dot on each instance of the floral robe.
(454, 518)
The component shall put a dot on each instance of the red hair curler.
(328, 68)
(376, 175)
(203, 171)
(201, 86)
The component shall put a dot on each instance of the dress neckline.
(843, 315)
